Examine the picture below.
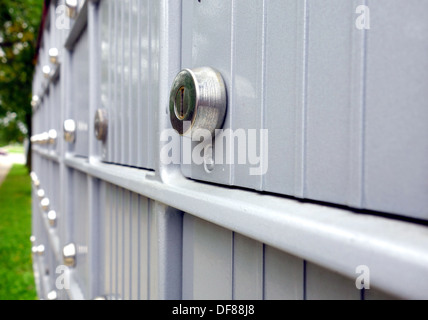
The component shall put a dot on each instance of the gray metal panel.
(322, 284)
(332, 53)
(80, 216)
(283, 276)
(248, 272)
(210, 47)
(129, 79)
(374, 294)
(396, 147)
(80, 94)
(207, 260)
(283, 91)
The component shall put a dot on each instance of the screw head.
(46, 71)
(41, 193)
(71, 8)
(53, 55)
(198, 100)
(44, 138)
(69, 255)
(53, 295)
(70, 131)
(52, 216)
(45, 203)
(52, 136)
(35, 101)
(101, 124)
(40, 250)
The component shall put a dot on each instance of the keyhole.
(181, 103)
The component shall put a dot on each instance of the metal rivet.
(35, 101)
(41, 193)
(53, 55)
(71, 8)
(45, 203)
(52, 218)
(53, 295)
(208, 159)
(52, 136)
(69, 255)
(46, 71)
(101, 124)
(44, 138)
(40, 250)
(70, 131)
(198, 100)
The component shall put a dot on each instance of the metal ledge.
(340, 240)
(48, 154)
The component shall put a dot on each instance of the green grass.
(16, 273)
(16, 148)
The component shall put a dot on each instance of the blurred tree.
(19, 23)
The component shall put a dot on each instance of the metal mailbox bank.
(213, 149)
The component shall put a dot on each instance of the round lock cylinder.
(52, 136)
(52, 216)
(101, 124)
(45, 203)
(53, 55)
(70, 131)
(69, 255)
(198, 101)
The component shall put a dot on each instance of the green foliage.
(19, 23)
(16, 273)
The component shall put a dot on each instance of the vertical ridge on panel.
(283, 275)
(120, 244)
(135, 247)
(153, 250)
(282, 88)
(126, 71)
(143, 216)
(396, 144)
(116, 84)
(330, 100)
(127, 236)
(206, 51)
(301, 99)
(144, 77)
(111, 91)
(121, 94)
(212, 271)
(134, 86)
(153, 103)
(247, 104)
(355, 189)
(188, 257)
(323, 284)
(114, 254)
(105, 89)
(108, 240)
(247, 268)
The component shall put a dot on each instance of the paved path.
(6, 162)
